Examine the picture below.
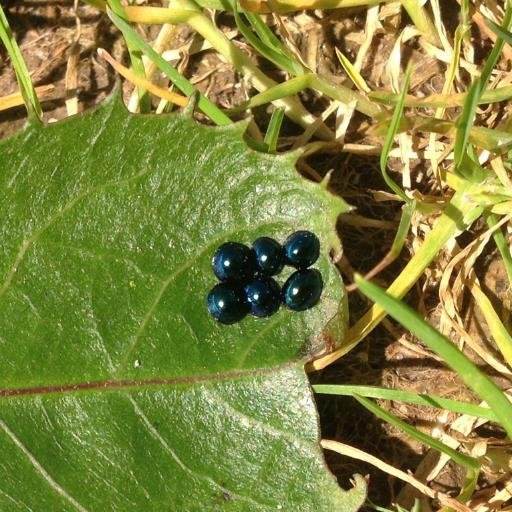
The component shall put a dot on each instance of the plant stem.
(285, 6)
(299, 83)
(501, 244)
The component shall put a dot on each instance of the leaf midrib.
(113, 384)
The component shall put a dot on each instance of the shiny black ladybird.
(233, 261)
(303, 289)
(269, 256)
(227, 303)
(263, 296)
(302, 249)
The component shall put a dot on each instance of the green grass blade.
(399, 240)
(501, 244)
(459, 458)
(393, 129)
(443, 100)
(299, 83)
(274, 127)
(403, 228)
(499, 31)
(480, 383)
(288, 88)
(466, 119)
(263, 31)
(498, 47)
(407, 397)
(352, 72)
(262, 48)
(271, 40)
(465, 123)
(135, 59)
(204, 104)
(471, 464)
(35, 114)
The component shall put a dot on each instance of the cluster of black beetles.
(246, 283)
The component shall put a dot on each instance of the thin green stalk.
(34, 112)
(204, 104)
(475, 379)
(459, 458)
(421, 20)
(346, 96)
(299, 83)
(466, 119)
(498, 47)
(272, 50)
(135, 59)
(501, 244)
(268, 37)
(284, 6)
(465, 18)
(465, 124)
(444, 100)
(408, 397)
(274, 127)
(408, 210)
(390, 136)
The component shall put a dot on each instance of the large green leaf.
(118, 391)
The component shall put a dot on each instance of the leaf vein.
(40, 469)
(34, 236)
(273, 322)
(301, 443)
(194, 474)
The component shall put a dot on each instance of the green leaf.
(118, 391)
